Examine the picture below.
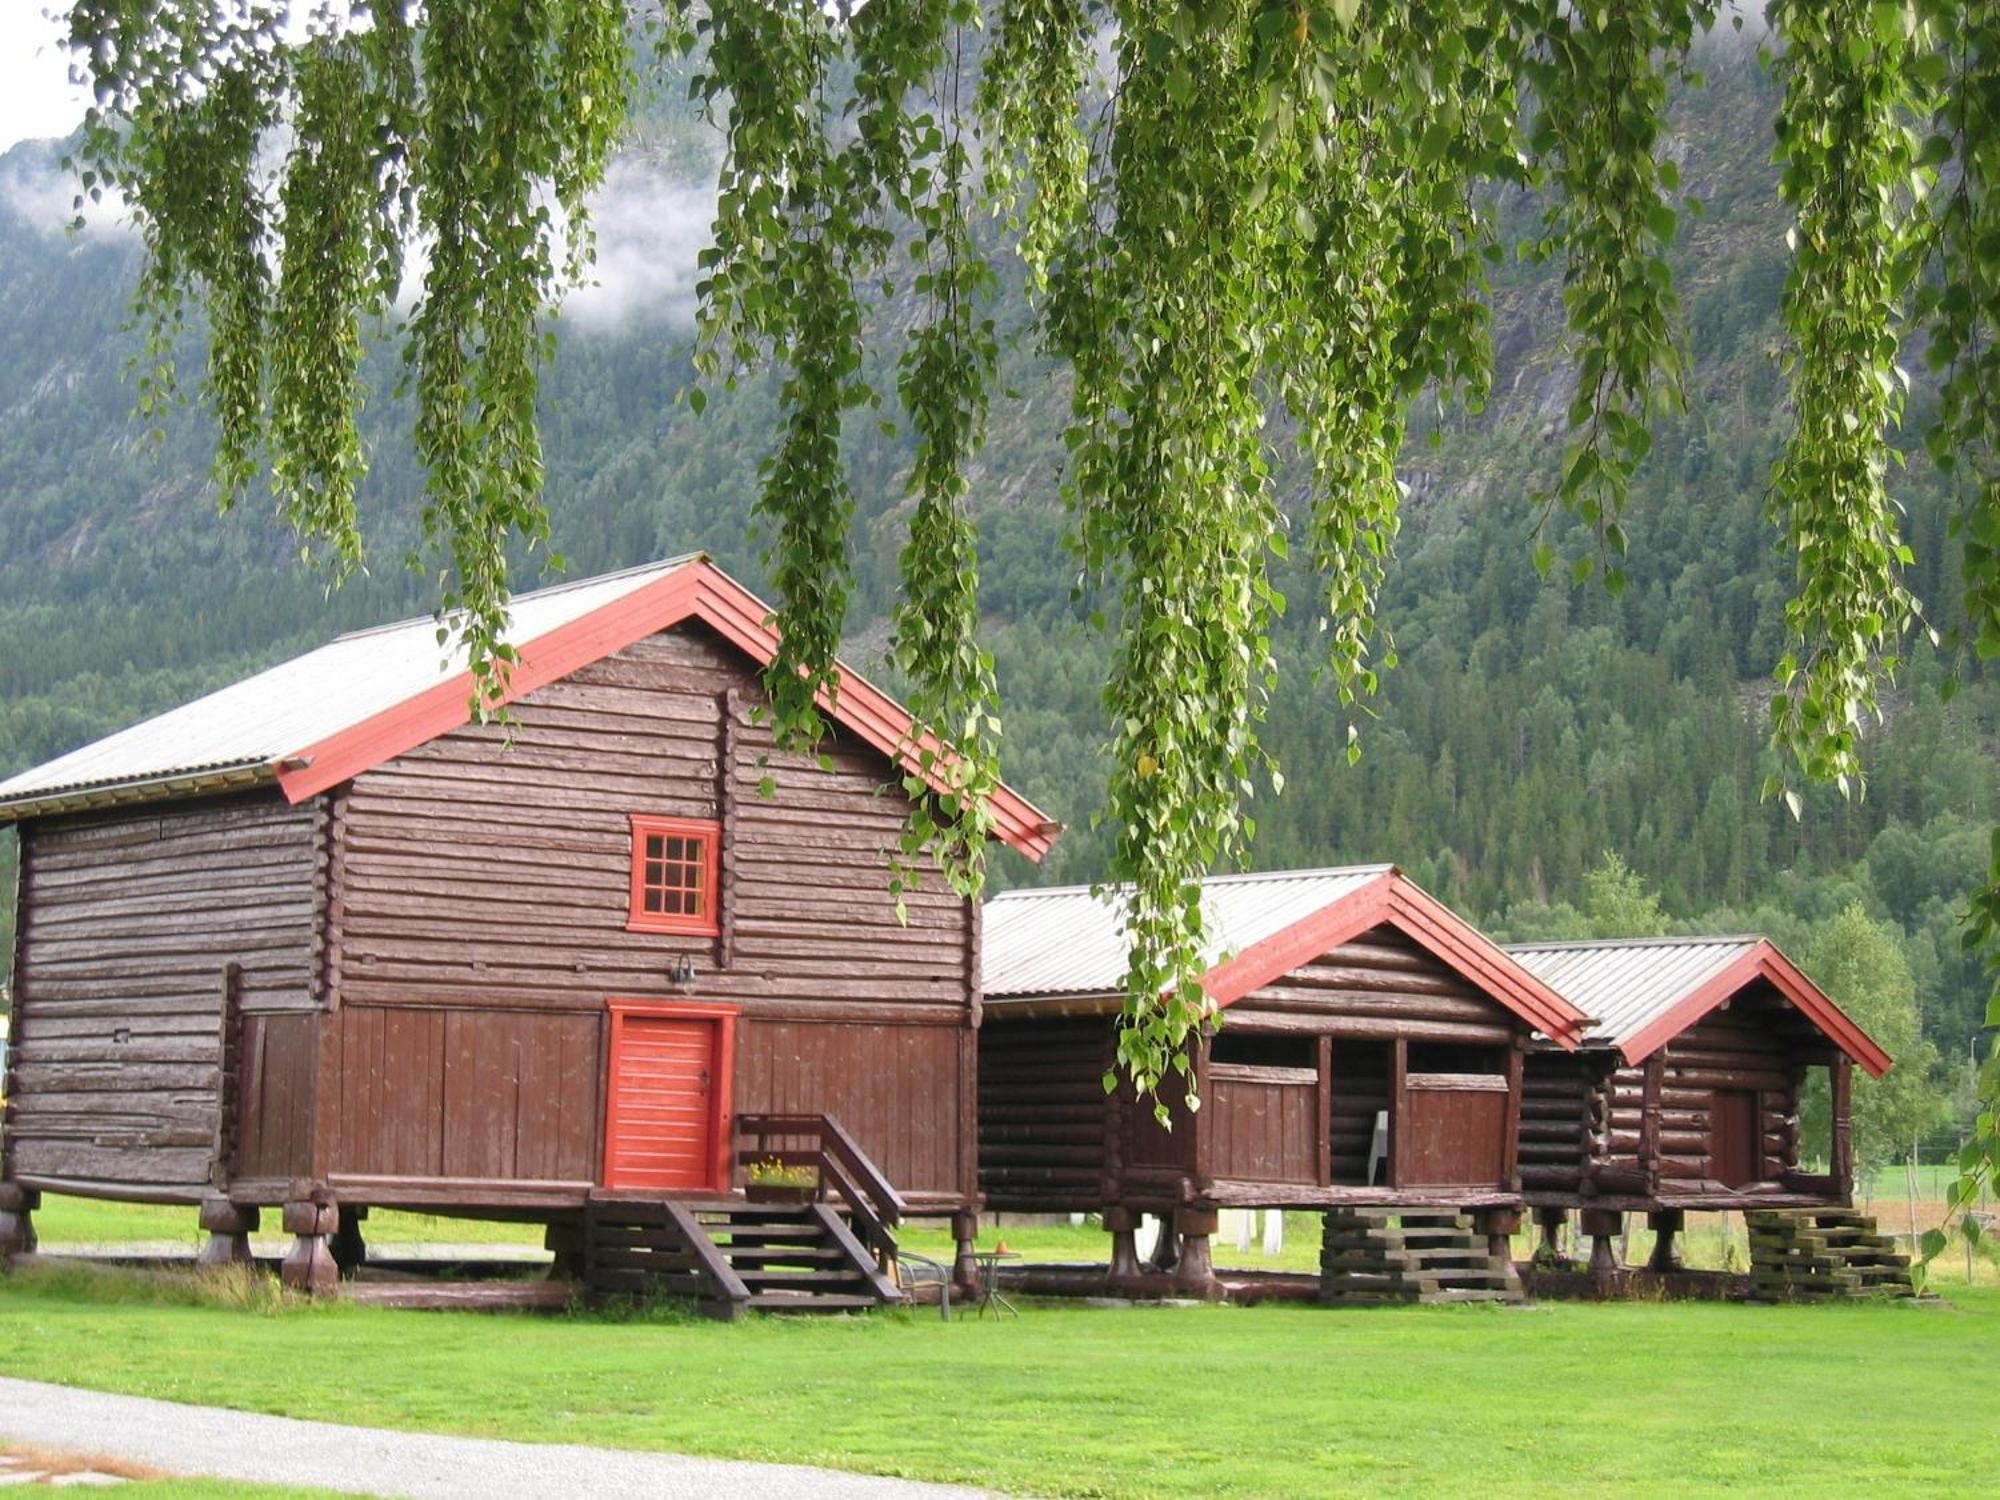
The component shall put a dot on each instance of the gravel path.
(211, 1442)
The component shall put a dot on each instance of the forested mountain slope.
(1529, 728)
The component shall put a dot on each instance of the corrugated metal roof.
(1629, 983)
(258, 722)
(1071, 941)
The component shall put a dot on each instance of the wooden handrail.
(702, 1248)
(872, 1203)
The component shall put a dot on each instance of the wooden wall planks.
(1264, 1132)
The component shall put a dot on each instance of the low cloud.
(650, 229)
(42, 196)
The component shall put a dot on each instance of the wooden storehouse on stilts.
(1685, 1097)
(316, 942)
(1368, 1064)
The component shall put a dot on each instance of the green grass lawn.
(1709, 1242)
(1068, 1400)
(91, 1221)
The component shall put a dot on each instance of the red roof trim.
(1762, 962)
(699, 590)
(1394, 898)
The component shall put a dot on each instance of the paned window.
(675, 867)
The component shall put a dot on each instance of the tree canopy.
(1257, 232)
(1859, 963)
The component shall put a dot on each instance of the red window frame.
(708, 921)
(721, 1092)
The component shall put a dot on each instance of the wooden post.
(1601, 1224)
(1166, 1246)
(1124, 1226)
(1111, 1182)
(229, 1075)
(1323, 1102)
(1498, 1225)
(1666, 1224)
(345, 1244)
(725, 817)
(564, 1239)
(1399, 1074)
(17, 1219)
(1510, 1140)
(1550, 1221)
(311, 1218)
(229, 1227)
(968, 1055)
(1841, 1078)
(965, 1269)
(1194, 1271)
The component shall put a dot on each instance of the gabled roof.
(322, 718)
(1070, 943)
(1646, 991)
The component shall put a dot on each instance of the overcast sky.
(36, 98)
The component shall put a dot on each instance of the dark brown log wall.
(1048, 1133)
(1290, 1098)
(1382, 985)
(1759, 1044)
(477, 875)
(128, 922)
(1358, 1092)
(1557, 1094)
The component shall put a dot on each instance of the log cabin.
(1368, 1059)
(317, 941)
(1685, 1093)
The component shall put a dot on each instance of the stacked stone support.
(1816, 1254)
(1376, 1257)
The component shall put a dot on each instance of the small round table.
(990, 1294)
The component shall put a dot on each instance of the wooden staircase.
(729, 1255)
(1373, 1257)
(1801, 1254)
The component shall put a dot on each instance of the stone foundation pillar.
(1123, 1225)
(309, 1265)
(229, 1227)
(965, 1267)
(1666, 1224)
(17, 1219)
(1601, 1224)
(1194, 1270)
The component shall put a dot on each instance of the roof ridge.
(1680, 939)
(664, 564)
(1246, 878)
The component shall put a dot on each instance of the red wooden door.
(1735, 1149)
(668, 1114)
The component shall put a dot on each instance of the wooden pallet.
(1801, 1254)
(1381, 1257)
